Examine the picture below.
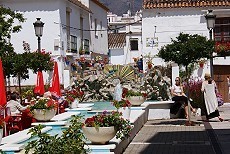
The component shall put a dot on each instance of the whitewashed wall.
(165, 24)
(49, 13)
(99, 44)
(117, 56)
(53, 14)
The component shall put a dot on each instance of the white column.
(175, 72)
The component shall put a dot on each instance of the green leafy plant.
(71, 141)
(44, 103)
(129, 93)
(106, 119)
(121, 103)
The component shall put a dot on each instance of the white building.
(70, 25)
(125, 41)
(163, 20)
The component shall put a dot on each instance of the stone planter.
(44, 114)
(136, 100)
(74, 104)
(125, 112)
(100, 135)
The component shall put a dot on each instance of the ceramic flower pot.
(44, 114)
(74, 104)
(125, 112)
(136, 100)
(100, 135)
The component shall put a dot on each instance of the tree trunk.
(8, 80)
(188, 94)
(20, 89)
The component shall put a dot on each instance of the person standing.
(210, 99)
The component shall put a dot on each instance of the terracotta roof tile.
(151, 4)
(116, 40)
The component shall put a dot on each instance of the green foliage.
(40, 61)
(190, 69)
(105, 119)
(71, 141)
(8, 20)
(187, 49)
(20, 65)
(121, 103)
(133, 93)
(44, 103)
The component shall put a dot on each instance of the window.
(73, 43)
(222, 30)
(101, 28)
(133, 44)
(86, 46)
(95, 27)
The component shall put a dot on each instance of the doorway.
(220, 76)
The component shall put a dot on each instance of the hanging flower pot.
(201, 65)
(150, 66)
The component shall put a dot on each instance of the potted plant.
(136, 98)
(73, 97)
(201, 63)
(123, 106)
(101, 128)
(71, 140)
(44, 109)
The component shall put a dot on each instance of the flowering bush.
(105, 119)
(195, 92)
(121, 103)
(44, 103)
(128, 93)
(222, 46)
(73, 94)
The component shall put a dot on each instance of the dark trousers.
(180, 99)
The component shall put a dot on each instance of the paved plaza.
(172, 137)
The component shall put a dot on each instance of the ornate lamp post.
(210, 18)
(38, 27)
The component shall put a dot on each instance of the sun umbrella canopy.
(55, 86)
(2, 87)
(39, 88)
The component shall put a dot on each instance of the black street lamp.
(210, 18)
(38, 27)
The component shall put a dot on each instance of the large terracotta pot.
(100, 135)
(125, 112)
(136, 100)
(44, 114)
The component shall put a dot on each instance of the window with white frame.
(133, 44)
(73, 43)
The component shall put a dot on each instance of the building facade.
(163, 20)
(125, 42)
(68, 33)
